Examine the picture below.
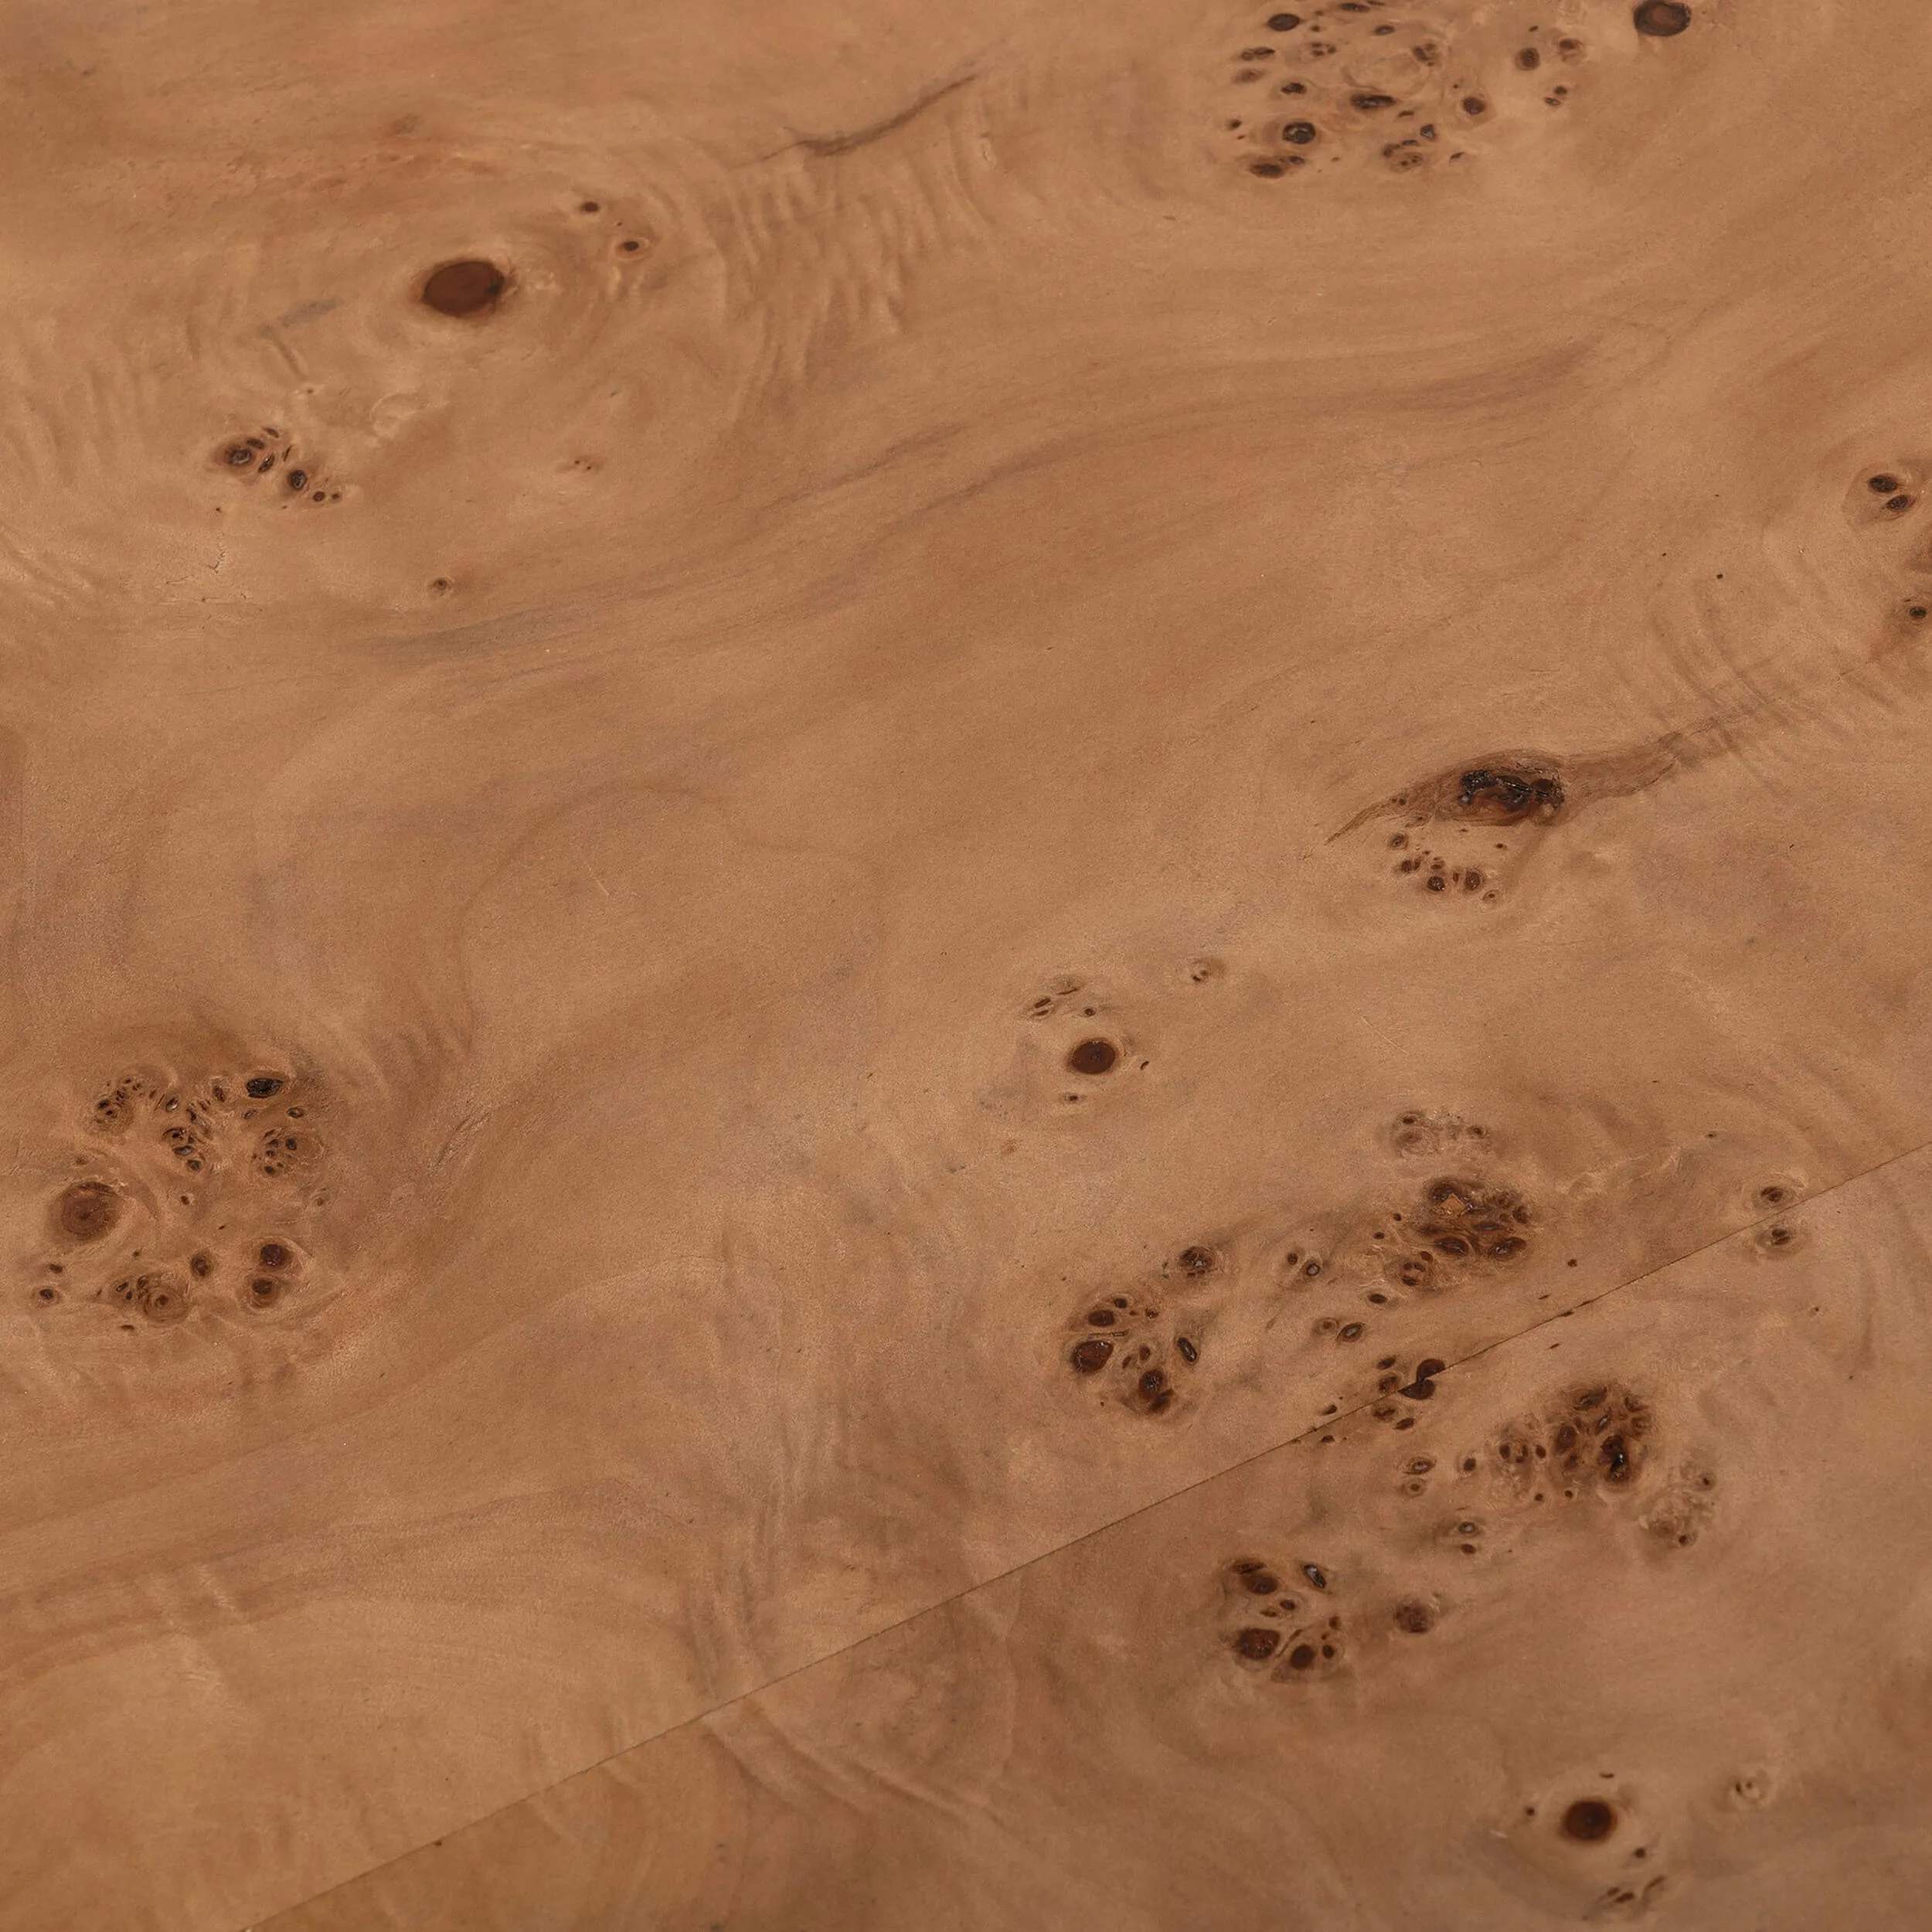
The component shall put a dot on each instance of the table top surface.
(965, 967)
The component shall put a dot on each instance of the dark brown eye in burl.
(1589, 1821)
(87, 1210)
(467, 287)
(1661, 18)
(1094, 1057)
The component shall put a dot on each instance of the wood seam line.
(1100, 1529)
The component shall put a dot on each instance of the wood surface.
(965, 967)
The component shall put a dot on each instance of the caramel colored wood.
(809, 816)
(1687, 1694)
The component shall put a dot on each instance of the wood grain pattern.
(1557, 1695)
(753, 958)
